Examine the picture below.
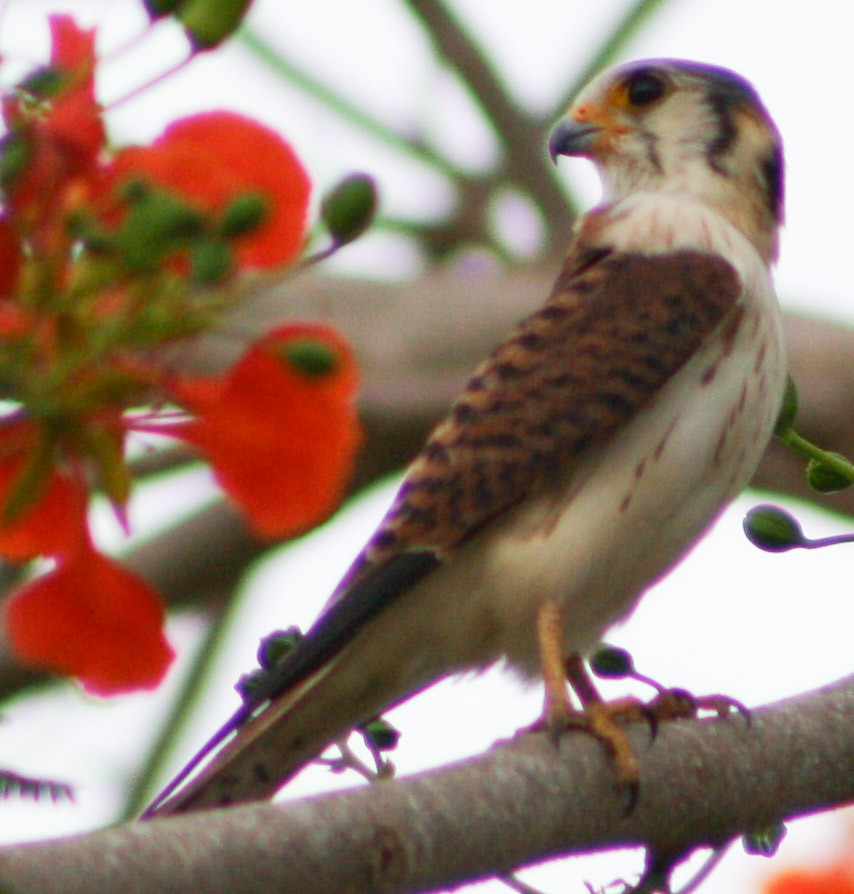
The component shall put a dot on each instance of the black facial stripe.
(772, 173)
(723, 105)
(651, 141)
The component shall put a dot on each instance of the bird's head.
(684, 127)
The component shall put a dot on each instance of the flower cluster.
(106, 257)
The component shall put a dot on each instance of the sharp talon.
(651, 719)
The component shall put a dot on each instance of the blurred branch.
(434, 331)
(265, 52)
(520, 134)
(703, 783)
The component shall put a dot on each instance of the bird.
(587, 454)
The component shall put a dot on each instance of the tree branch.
(703, 782)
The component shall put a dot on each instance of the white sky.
(731, 619)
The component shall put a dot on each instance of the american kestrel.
(588, 452)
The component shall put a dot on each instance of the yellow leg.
(603, 720)
(600, 718)
(557, 710)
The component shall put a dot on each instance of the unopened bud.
(275, 647)
(209, 22)
(764, 842)
(380, 734)
(772, 529)
(349, 209)
(611, 662)
(824, 478)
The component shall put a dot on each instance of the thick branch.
(702, 783)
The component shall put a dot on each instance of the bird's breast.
(628, 511)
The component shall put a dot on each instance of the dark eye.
(644, 88)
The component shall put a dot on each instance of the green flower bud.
(772, 529)
(380, 734)
(825, 479)
(156, 9)
(611, 662)
(273, 649)
(209, 22)
(313, 358)
(349, 209)
(764, 842)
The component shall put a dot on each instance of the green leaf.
(772, 529)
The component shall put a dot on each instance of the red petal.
(93, 620)
(211, 159)
(53, 525)
(75, 119)
(10, 259)
(281, 442)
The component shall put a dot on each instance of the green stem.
(267, 54)
(827, 541)
(806, 448)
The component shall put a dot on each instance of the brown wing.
(616, 327)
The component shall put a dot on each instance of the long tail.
(361, 657)
(269, 748)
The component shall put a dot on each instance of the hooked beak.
(571, 137)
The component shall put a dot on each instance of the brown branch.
(520, 134)
(703, 782)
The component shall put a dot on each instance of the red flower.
(211, 159)
(75, 121)
(91, 619)
(281, 431)
(63, 143)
